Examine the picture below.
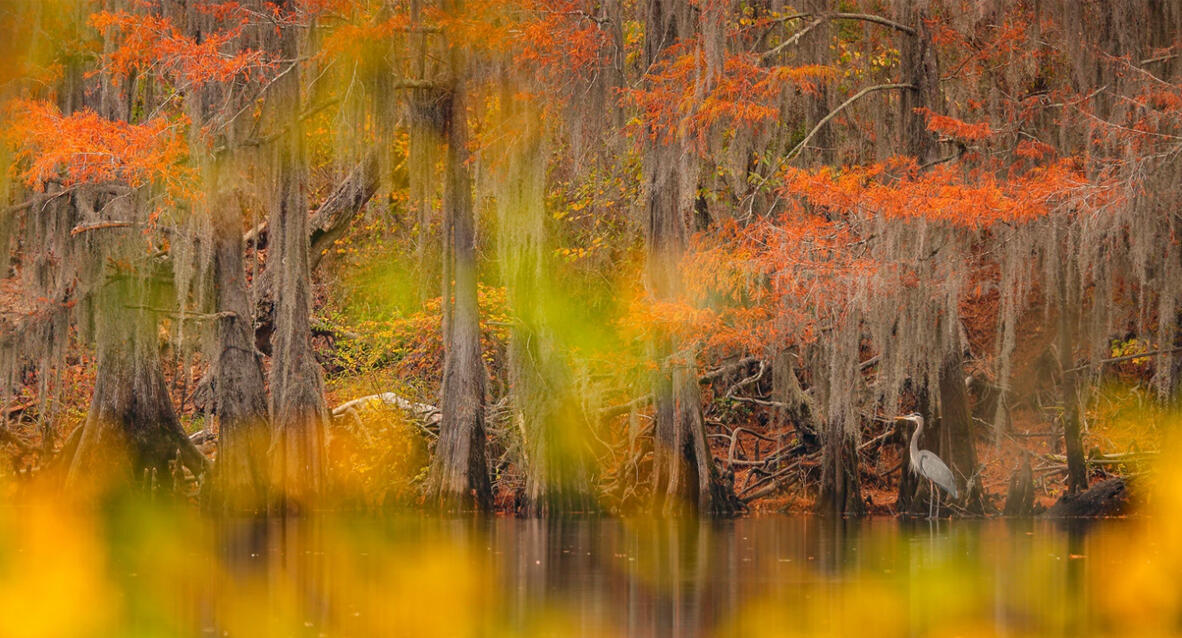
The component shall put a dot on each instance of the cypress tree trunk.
(297, 388)
(694, 477)
(239, 394)
(131, 428)
(921, 70)
(1066, 295)
(557, 477)
(683, 467)
(841, 487)
(556, 445)
(955, 444)
(420, 167)
(663, 234)
(235, 380)
(816, 45)
(956, 436)
(459, 472)
(1069, 387)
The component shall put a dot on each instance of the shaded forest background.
(553, 256)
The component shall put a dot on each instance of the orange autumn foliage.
(748, 286)
(85, 147)
(559, 37)
(354, 40)
(954, 128)
(686, 98)
(948, 194)
(148, 43)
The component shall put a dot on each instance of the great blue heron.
(926, 464)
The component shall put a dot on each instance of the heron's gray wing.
(932, 468)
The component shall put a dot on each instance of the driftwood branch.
(190, 456)
(771, 483)
(1106, 459)
(329, 221)
(16, 410)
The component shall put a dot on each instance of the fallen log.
(422, 411)
(16, 410)
(1106, 498)
(1106, 459)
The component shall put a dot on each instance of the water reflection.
(652, 578)
(173, 572)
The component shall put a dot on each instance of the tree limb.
(792, 40)
(832, 114)
(1127, 357)
(866, 17)
(824, 17)
(327, 222)
(83, 228)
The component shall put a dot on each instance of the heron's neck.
(915, 439)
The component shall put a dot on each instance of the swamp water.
(141, 570)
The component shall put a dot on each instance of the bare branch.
(832, 114)
(793, 40)
(824, 17)
(866, 17)
(1127, 357)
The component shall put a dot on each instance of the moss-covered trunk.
(297, 387)
(131, 429)
(683, 467)
(459, 472)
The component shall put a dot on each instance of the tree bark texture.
(1069, 299)
(131, 428)
(956, 434)
(459, 476)
(921, 69)
(841, 487)
(239, 392)
(297, 387)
